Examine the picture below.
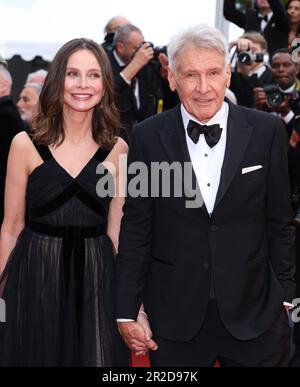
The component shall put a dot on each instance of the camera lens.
(244, 58)
(275, 99)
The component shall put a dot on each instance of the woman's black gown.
(59, 283)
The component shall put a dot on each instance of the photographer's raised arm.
(141, 58)
(241, 44)
(232, 14)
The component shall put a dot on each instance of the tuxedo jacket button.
(206, 265)
(214, 228)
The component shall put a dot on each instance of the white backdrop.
(39, 27)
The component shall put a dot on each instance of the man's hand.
(243, 45)
(260, 98)
(142, 56)
(137, 335)
(143, 320)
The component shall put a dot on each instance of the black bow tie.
(212, 133)
(265, 18)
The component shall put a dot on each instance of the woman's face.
(294, 11)
(83, 88)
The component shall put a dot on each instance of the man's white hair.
(39, 74)
(201, 36)
(36, 86)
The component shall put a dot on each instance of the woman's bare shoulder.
(21, 143)
(23, 152)
(121, 145)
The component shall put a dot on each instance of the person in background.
(248, 75)
(293, 8)
(111, 28)
(269, 18)
(284, 72)
(10, 125)
(136, 81)
(38, 76)
(216, 276)
(58, 269)
(28, 104)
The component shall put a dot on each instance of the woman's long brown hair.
(49, 121)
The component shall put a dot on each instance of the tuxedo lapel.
(173, 139)
(238, 136)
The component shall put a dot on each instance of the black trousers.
(213, 341)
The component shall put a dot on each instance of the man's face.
(294, 11)
(284, 70)
(262, 4)
(27, 104)
(126, 50)
(200, 78)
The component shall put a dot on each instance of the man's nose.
(202, 85)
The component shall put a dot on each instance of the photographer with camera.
(136, 79)
(250, 70)
(282, 97)
(110, 29)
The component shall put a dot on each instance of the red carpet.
(143, 361)
(140, 361)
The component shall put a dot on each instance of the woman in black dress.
(61, 224)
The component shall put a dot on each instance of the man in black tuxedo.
(269, 18)
(136, 79)
(212, 275)
(10, 125)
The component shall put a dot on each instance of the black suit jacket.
(149, 84)
(10, 125)
(167, 252)
(277, 30)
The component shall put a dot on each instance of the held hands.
(137, 334)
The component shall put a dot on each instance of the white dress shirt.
(207, 162)
(264, 23)
(136, 90)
